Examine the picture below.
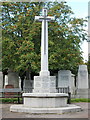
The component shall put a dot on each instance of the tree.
(21, 37)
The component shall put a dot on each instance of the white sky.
(80, 8)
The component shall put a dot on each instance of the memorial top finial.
(44, 12)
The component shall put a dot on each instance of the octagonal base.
(61, 110)
(45, 103)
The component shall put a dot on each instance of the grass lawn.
(10, 100)
(80, 100)
(15, 100)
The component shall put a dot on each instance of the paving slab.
(82, 114)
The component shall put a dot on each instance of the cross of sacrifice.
(44, 40)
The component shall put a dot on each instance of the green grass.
(10, 100)
(80, 100)
(15, 100)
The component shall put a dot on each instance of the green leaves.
(22, 36)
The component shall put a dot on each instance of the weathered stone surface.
(82, 77)
(82, 82)
(1, 80)
(64, 78)
(61, 110)
(82, 93)
(28, 86)
(45, 103)
(44, 84)
(6, 80)
(45, 100)
(13, 79)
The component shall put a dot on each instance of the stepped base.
(61, 110)
(45, 103)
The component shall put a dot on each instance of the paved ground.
(82, 114)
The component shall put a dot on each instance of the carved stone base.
(45, 103)
(62, 110)
(45, 100)
(44, 84)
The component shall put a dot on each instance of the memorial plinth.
(38, 103)
(44, 84)
(44, 98)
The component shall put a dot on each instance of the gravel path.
(82, 114)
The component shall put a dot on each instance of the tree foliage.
(21, 36)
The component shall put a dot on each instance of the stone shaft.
(44, 49)
(44, 41)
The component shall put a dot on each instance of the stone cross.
(44, 41)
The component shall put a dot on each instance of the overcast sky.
(80, 8)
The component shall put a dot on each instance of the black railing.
(65, 90)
